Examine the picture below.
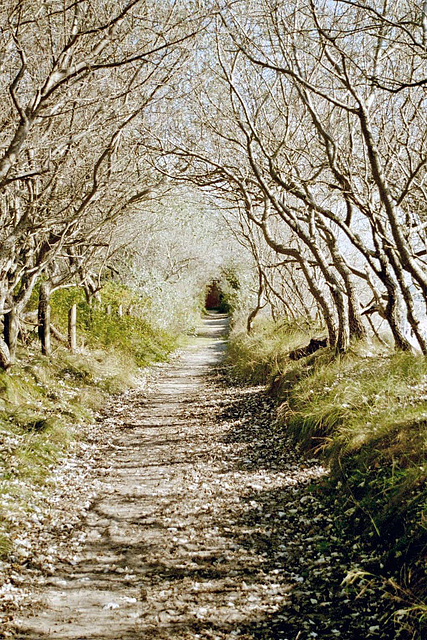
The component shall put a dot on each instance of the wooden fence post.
(120, 310)
(44, 318)
(72, 328)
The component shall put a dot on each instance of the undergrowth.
(365, 414)
(260, 356)
(99, 325)
(46, 401)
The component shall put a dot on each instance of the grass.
(42, 409)
(46, 402)
(134, 336)
(365, 414)
(262, 356)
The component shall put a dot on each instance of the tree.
(77, 82)
(317, 53)
(297, 121)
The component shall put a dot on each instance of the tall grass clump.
(367, 415)
(260, 356)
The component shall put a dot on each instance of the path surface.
(205, 525)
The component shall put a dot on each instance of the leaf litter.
(188, 514)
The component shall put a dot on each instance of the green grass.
(368, 417)
(42, 409)
(261, 356)
(46, 401)
(135, 336)
(365, 414)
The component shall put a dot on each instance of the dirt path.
(206, 525)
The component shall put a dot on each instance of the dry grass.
(365, 413)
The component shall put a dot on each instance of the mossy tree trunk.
(5, 360)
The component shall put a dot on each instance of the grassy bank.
(45, 402)
(365, 414)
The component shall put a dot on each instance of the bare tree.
(307, 113)
(363, 163)
(78, 81)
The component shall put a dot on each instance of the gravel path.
(205, 523)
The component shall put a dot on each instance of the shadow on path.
(208, 524)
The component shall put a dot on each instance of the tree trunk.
(323, 305)
(356, 326)
(11, 331)
(343, 337)
(44, 318)
(254, 312)
(393, 309)
(5, 360)
(409, 302)
(404, 249)
(393, 314)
